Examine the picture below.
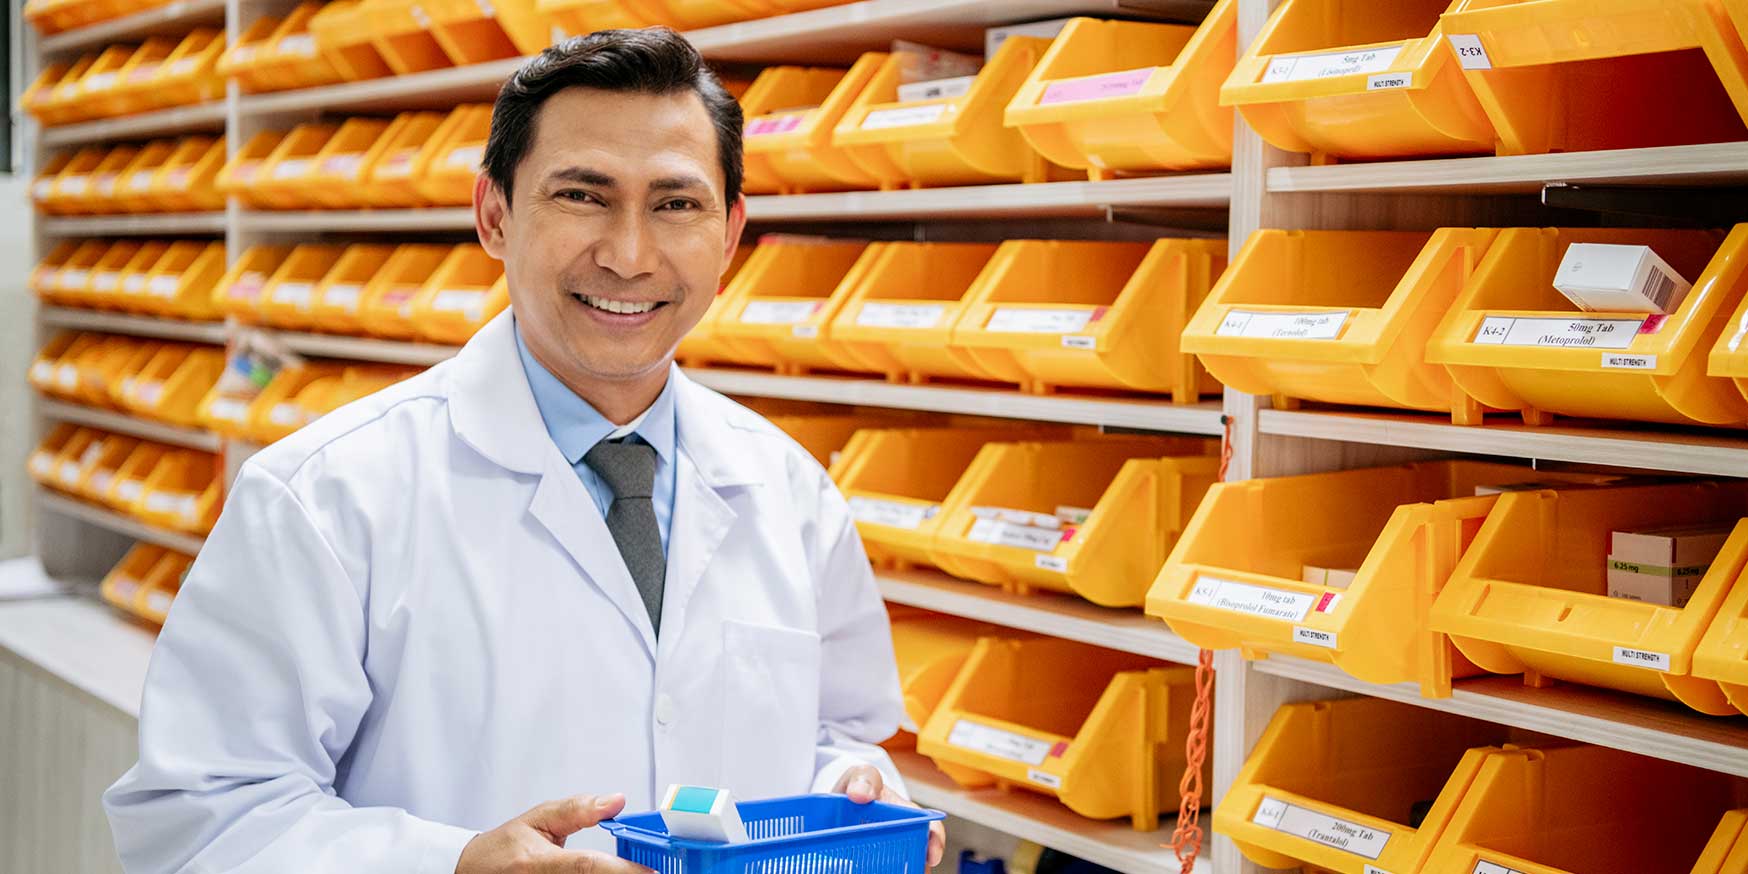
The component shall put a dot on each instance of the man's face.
(618, 234)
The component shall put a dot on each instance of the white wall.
(17, 345)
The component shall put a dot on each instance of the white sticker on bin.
(126, 588)
(1043, 778)
(42, 465)
(166, 284)
(992, 741)
(100, 482)
(285, 414)
(1373, 869)
(140, 179)
(72, 280)
(297, 44)
(343, 296)
(1052, 563)
(1079, 341)
(1321, 828)
(806, 332)
(1470, 54)
(1641, 658)
(1313, 637)
(1485, 867)
(458, 300)
(905, 116)
(778, 312)
(1617, 361)
(293, 293)
(1545, 331)
(70, 473)
(900, 315)
(68, 377)
(1018, 517)
(1252, 600)
(106, 281)
(1026, 320)
(1388, 81)
(1282, 326)
(291, 168)
(1002, 533)
(129, 490)
(892, 514)
(229, 409)
(158, 602)
(1328, 65)
(466, 156)
(134, 283)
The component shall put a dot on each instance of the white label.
(100, 482)
(486, 9)
(1312, 636)
(1485, 867)
(1300, 68)
(184, 66)
(996, 742)
(1043, 778)
(42, 188)
(1616, 361)
(936, 89)
(150, 393)
(778, 312)
(73, 280)
(1321, 828)
(900, 315)
(1373, 869)
(1011, 320)
(70, 472)
(1282, 326)
(298, 44)
(1079, 341)
(343, 296)
(1051, 563)
(1251, 600)
(166, 285)
(161, 502)
(126, 588)
(421, 17)
(466, 156)
(293, 293)
(68, 377)
(228, 409)
(134, 284)
(1593, 333)
(42, 464)
(291, 167)
(1470, 54)
(129, 490)
(346, 165)
(284, 414)
(1011, 534)
(893, 514)
(185, 504)
(75, 185)
(1388, 81)
(100, 81)
(42, 372)
(158, 602)
(140, 179)
(903, 117)
(451, 300)
(106, 281)
(806, 332)
(1640, 658)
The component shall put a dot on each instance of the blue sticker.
(694, 799)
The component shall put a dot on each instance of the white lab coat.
(411, 624)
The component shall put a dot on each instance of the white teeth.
(618, 306)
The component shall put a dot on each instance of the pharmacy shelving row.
(136, 225)
(110, 520)
(171, 18)
(206, 117)
(1704, 164)
(73, 319)
(122, 423)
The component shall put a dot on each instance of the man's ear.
(490, 210)
(737, 225)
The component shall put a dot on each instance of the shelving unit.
(142, 326)
(110, 520)
(206, 117)
(164, 224)
(177, 17)
(1709, 164)
(122, 423)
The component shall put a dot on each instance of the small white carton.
(1605, 277)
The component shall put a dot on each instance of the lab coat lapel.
(492, 410)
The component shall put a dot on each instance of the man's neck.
(617, 400)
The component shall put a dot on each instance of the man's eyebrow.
(583, 176)
(678, 183)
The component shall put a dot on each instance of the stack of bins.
(238, 292)
(701, 345)
(386, 306)
(1094, 517)
(1336, 316)
(447, 170)
(791, 113)
(335, 305)
(931, 648)
(1115, 97)
(1099, 729)
(288, 298)
(401, 32)
(181, 284)
(1349, 80)
(172, 384)
(394, 162)
(337, 176)
(467, 290)
(898, 319)
(1045, 314)
(1513, 342)
(189, 179)
(341, 32)
(285, 180)
(472, 32)
(1531, 594)
(1402, 529)
(946, 140)
(776, 309)
(1576, 75)
(1354, 786)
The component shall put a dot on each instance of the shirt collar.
(576, 426)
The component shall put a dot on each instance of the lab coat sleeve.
(255, 691)
(860, 704)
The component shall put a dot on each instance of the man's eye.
(575, 196)
(674, 205)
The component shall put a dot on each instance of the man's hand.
(533, 843)
(864, 783)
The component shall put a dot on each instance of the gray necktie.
(629, 470)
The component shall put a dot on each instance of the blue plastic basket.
(807, 834)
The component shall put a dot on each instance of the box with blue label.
(808, 834)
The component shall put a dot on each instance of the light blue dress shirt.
(576, 427)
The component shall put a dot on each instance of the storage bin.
(96, 89)
(352, 383)
(130, 86)
(63, 101)
(335, 305)
(248, 60)
(67, 466)
(286, 179)
(107, 268)
(42, 465)
(1728, 358)
(130, 479)
(446, 178)
(467, 290)
(1355, 785)
(132, 188)
(471, 32)
(181, 284)
(1101, 730)
(1336, 316)
(1048, 313)
(898, 319)
(393, 162)
(36, 98)
(386, 309)
(71, 189)
(139, 354)
(580, 17)
(931, 649)
(45, 374)
(91, 475)
(1722, 654)
(401, 32)
(173, 384)
(791, 116)
(189, 180)
(805, 833)
(189, 74)
(1577, 75)
(293, 58)
(276, 411)
(1236, 578)
(1560, 809)
(45, 277)
(782, 301)
(703, 344)
(1531, 594)
(1512, 342)
(1002, 523)
(102, 366)
(100, 195)
(1115, 97)
(123, 583)
(244, 170)
(288, 298)
(69, 283)
(950, 140)
(161, 586)
(183, 492)
(342, 32)
(109, 286)
(42, 187)
(238, 292)
(1343, 79)
(336, 178)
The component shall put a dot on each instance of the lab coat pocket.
(770, 709)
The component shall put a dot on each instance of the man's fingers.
(862, 783)
(937, 843)
(591, 862)
(560, 819)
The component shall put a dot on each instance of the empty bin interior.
(927, 271)
(1084, 274)
(1073, 474)
(923, 464)
(1311, 25)
(1523, 266)
(1336, 269)
(1045, 684)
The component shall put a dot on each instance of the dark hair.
(653, 60)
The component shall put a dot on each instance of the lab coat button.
(664, 709)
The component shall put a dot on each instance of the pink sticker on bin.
(781, 124)
(1097, 87)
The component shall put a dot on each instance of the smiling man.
(457, 623)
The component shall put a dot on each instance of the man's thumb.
(560, 819)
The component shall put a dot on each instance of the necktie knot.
(627, 468)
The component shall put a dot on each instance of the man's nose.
(626, 247)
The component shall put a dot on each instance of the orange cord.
(1186, 839)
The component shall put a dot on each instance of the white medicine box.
(1605, 277)
(1662, 565)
